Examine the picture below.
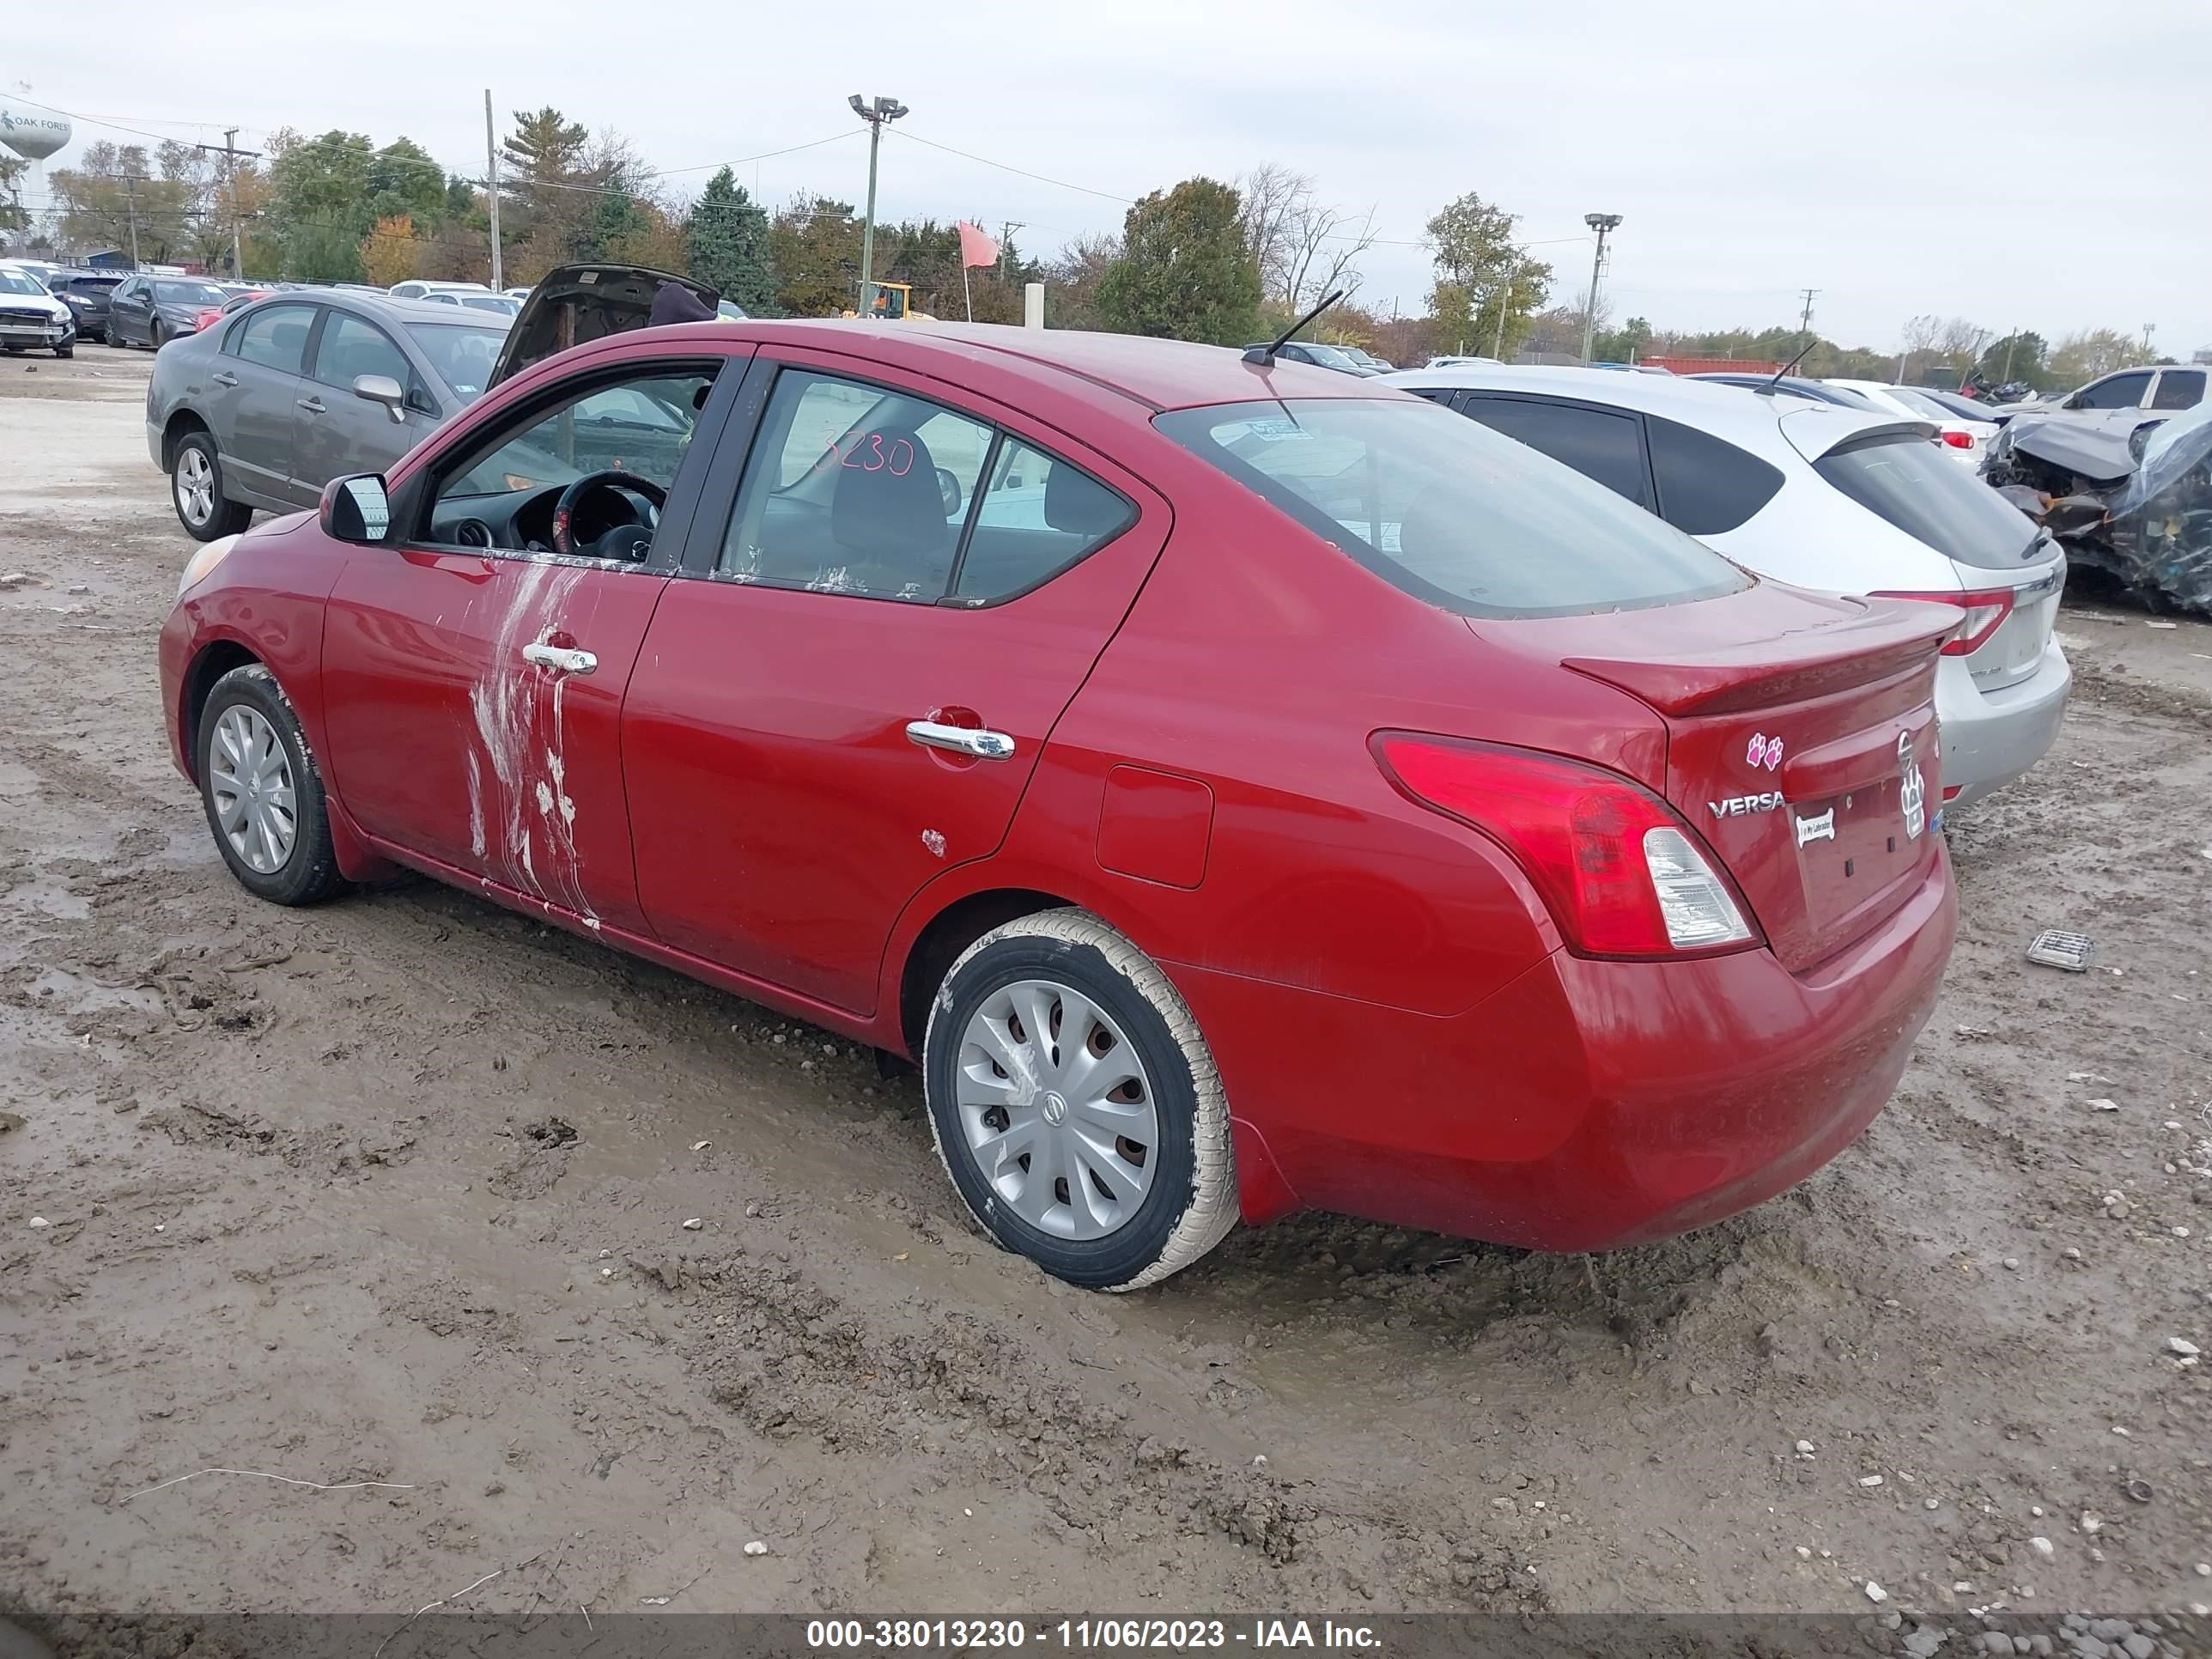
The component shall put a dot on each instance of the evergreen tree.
(726, 241)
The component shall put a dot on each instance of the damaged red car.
(1238, 788)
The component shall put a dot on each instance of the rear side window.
(1451, 512)
(2121, 391)
(1706, 486)
(1907, 480)
(275, 336)
(1596, 444)
(1037, 517)
(2180, 388)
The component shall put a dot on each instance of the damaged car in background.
(2126, 495)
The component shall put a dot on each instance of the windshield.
(462, 354)
(188, 293)
(1904, 479)
(1920, 403)
(1451, 512)
(498, 302)
(19, 282)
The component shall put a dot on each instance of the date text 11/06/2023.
(1085, 1635)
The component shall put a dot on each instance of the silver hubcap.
(1057, 1109)
(194, 487)
(249, 777)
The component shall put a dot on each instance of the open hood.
(578, 303)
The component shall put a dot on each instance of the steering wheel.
(564, 510)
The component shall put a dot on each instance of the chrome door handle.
(559, 660)
(961, 739)
(226, 378)
(313, 405)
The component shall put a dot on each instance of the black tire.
(154, 333)
(1190, 1205)
(225, 517)
(309, 872)
(68, 350)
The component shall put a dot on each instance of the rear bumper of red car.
(1588, 1105)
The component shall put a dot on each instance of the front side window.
(275, 336)
(2121, 391)
(464, 357)
(1597, 444)
(1906, 480)
(2180, 388)
(855, 488)
(507, 490)
(351, 348)
(1450, 511)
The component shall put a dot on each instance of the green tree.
(403, 179)
(815, 244)
(318, 203)
(727, 245)
(540, 162)
(1480, 273)
(2082, 357)
(1625, 344)
(2016, 357)
(1187, 269)
(13, 217)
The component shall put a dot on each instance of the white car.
(1963, 440)
(472, 296)
(1848, 501)
(30, 316)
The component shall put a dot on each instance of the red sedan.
(1240, 788)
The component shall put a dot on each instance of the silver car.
(305, 386)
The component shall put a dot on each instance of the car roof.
(1749, 419)
(1160, 373)
(381, 307)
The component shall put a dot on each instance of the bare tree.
(1304, 248)
(1073, 277)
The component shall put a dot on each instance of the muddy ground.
(299, 1212)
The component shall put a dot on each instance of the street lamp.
(1603, 224)
(876, 112)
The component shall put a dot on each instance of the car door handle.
(961, 739)
(313, 405)
(226, 378)
(560, 660)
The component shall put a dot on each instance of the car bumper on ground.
(1588, 1105)
(39, 335)
(1991, 738)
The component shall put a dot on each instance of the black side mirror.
(356, 509)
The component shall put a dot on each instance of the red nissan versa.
(1240, 788)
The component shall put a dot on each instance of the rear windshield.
(1450, 511)
(1909, 481)
(462, 355)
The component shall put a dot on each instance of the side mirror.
(383, 389)
(356, 509)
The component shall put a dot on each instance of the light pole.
(876, 112)
(1603, 224)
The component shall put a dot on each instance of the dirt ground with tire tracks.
(394, 1191)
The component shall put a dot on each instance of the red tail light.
(1985, 614)
(1958, 440)
(1620, 872)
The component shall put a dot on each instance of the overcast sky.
(2037, 163)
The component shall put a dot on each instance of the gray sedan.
(302, 387)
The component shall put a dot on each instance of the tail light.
(1620, 872)
(1958, 440)
(1985, 613)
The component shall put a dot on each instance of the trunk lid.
(1800, 745)
(577, 303)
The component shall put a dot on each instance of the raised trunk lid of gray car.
(578, 303)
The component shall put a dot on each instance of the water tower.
(33, 134)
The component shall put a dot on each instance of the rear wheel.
(262, 792)
(196, 491)
(1076, 1105)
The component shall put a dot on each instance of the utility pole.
(1007, 229)
(130, 206)
(491, 178)
(876, 112)
(229, 151)
(1504, 305)
(2148, 329)
(1604, 224)
(1805, 321)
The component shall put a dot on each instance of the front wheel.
(65, 350)
(156, 335)
(1076, 1105)
(262, 792)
